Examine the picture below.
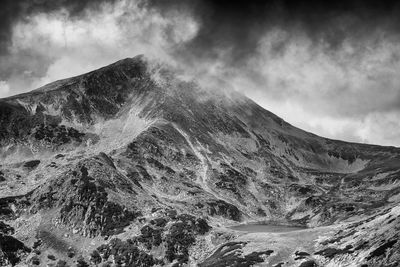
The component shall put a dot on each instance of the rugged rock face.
(83, 200)
(130, 165)
(11, 249)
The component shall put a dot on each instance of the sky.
(328, 67)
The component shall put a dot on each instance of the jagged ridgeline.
(130, 166)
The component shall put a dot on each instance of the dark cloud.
(239, 25)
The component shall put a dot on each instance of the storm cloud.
(330, 67)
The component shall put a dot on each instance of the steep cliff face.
(103, 154)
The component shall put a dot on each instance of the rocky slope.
(131, 165)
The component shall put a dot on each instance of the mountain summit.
(131, 165)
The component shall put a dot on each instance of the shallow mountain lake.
(266, 228)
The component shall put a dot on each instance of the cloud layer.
(47, 46)
(324, 67)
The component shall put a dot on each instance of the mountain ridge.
(53, 86)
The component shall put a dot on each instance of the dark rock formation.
(11, 249)
(230, 254)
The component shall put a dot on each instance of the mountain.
(131, 165)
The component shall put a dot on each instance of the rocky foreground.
(130, 166)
